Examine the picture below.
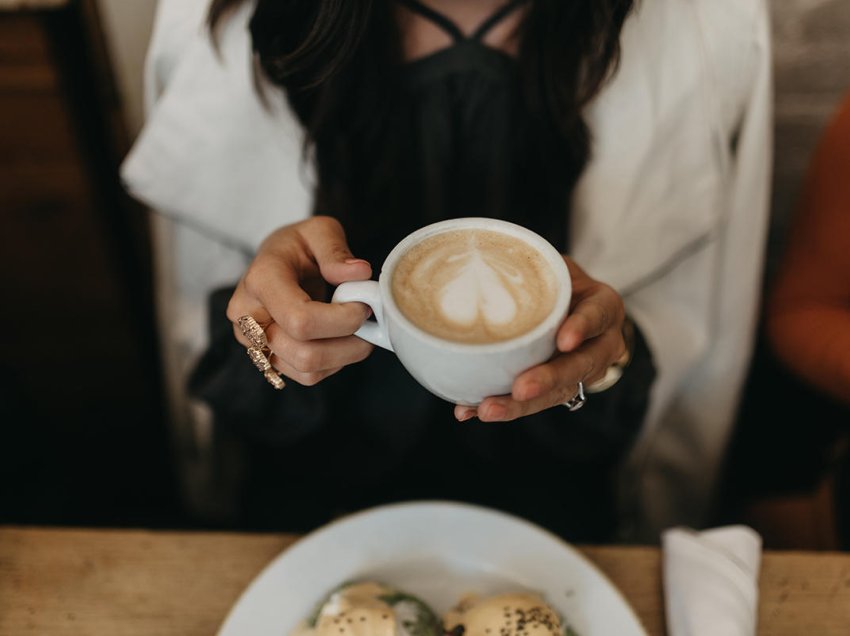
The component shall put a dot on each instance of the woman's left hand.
(589, 341)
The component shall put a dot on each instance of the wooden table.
(123, 583)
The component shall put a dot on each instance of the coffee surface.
(474, 286)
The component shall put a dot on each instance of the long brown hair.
(569, 47)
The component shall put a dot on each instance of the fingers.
(314, 320)
(506, 409)
(300, 357)
(310, 340)
(316, 355)
(561, 371)
(549, 384)
(308, 363)
(600, 310)
(271, 288)
(325, 239)
(306, 379)
(243, 304)
(590, 340)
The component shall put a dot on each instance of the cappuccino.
(474, 286)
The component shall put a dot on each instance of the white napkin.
(711, 581)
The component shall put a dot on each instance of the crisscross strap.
(436, 17)
(451, 28)
(493, 20)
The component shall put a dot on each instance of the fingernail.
(355, 261)
(468, 414)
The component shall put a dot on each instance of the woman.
(666, 204)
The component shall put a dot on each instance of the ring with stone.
(578, 400)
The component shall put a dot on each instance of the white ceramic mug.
(458, 372)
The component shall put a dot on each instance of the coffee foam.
(474, 286)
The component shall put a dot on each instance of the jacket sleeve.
(218, 152)
(681, 457)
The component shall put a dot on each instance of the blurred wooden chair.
(788, 468)
(806, 520)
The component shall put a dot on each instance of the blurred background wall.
(82, 434)
(127, 26)
(812, 61)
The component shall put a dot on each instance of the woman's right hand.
(283, 290)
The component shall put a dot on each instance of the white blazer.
(672, 210)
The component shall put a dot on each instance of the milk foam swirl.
(474, 286)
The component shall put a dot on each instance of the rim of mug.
(546, 249)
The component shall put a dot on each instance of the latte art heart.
(474, 286)
(480, 290)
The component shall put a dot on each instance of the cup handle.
(367, 292)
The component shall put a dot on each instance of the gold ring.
(258, 357)
(274, 379)
(262, 362)
(252, 330)
(259, 351)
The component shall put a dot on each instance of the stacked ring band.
(259, 351)
(578, 400)
(252, 330)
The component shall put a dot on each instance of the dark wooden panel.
(67, 267)
(24, 55)
(42, 130)
(22, 40)
(82, 438)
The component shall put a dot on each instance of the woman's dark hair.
(336, 60)
(568, 47)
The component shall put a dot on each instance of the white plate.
(438, 551)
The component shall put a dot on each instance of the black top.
(456, 140)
